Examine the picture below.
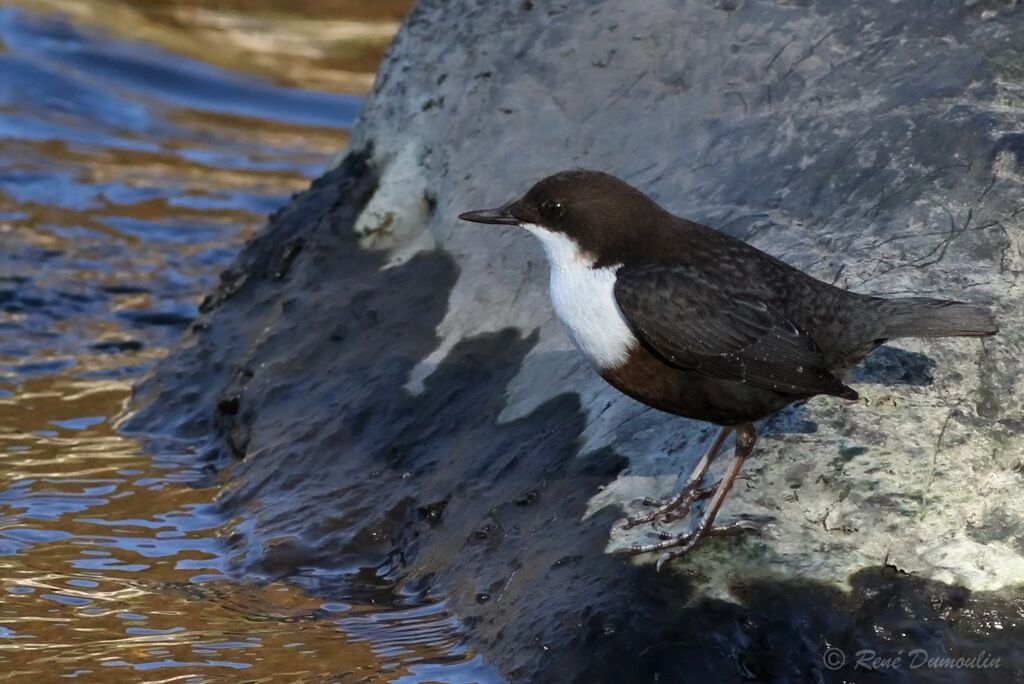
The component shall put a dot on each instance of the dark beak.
(502, 215)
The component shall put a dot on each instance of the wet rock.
(402, 359)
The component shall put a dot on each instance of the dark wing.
(724, 332)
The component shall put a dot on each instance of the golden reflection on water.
(116, 565)
(118, 207)
(330, 45)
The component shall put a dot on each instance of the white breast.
(584, 300)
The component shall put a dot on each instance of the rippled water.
(129, 176)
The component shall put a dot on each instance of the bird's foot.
(676, 545)
(674, 508)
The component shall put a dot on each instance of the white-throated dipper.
(700, 324)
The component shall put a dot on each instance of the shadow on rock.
(894, 366)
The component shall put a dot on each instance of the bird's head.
(593, 215)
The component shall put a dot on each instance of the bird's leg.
(679, 544)
(678, 506)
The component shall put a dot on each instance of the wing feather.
(731, 332)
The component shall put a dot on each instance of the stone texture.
(400, 397)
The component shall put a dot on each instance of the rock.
(401, 398)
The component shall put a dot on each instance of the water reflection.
(128, 178)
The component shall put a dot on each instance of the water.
(129, 177)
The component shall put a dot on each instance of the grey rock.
(400, 397)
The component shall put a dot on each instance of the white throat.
(584, 300)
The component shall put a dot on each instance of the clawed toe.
(670, 510)
(693, 496)
(675, 545)
(679, 545)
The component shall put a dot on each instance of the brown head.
(607, 218)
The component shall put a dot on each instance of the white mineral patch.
(395, 217)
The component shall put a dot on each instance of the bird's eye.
(552, 209)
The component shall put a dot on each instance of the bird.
(699, 324)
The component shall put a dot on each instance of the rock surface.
(398, 396)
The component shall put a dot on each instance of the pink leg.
(678, 506)
(679, 544)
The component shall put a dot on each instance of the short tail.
(921, 317)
